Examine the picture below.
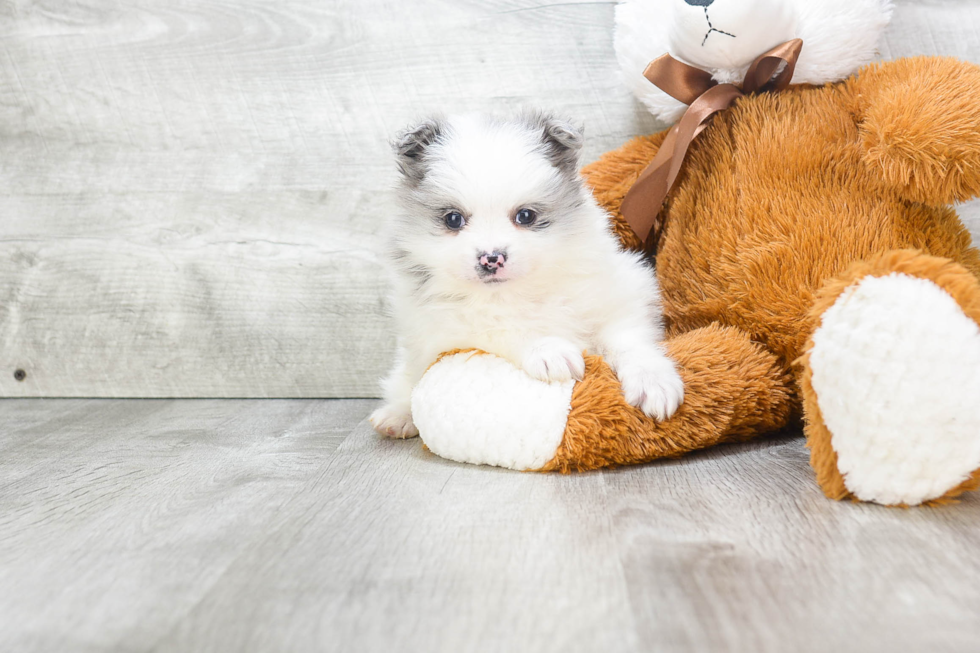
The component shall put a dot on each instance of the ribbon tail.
(642, 204)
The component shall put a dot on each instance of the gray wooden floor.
(278, 525)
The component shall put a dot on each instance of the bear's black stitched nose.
(699, 3)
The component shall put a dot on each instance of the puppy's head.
(488, 201)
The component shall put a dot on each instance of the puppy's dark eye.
(454, 220)
(524, 217)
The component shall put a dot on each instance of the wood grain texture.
(192, 193)
(116, 517)
(236, 526)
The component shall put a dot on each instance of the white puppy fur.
(501, 247)
(724, 37)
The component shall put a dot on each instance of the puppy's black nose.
(699, 3)
(492, 261)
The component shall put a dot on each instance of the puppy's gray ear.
(562, 141)
(411, 144)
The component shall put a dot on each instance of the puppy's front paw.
(394, 421)
(652, 384)
(554, 359)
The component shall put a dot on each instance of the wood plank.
(116, 516)
(192, 193)
(738, 550)
(733, 549)
(393, 548)
(222, 525)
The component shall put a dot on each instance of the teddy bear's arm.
(920, 127)
(614, 173)
(734, 389)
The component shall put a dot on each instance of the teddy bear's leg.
(734, 389)
(891, 381)
(920, 127)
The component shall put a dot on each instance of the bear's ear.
(561, 140)
(411, 144)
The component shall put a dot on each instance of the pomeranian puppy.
(501, 247)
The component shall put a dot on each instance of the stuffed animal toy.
(810, 263)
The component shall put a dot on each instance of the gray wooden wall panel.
(191, 193)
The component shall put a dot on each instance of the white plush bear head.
(724, 37)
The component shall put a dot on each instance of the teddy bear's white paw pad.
(479, 408)
(394, 422)
(554, 360)
(652, 385)
(896, 371)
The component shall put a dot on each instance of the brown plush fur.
(780, 194)
(735, 389)
(960, 283)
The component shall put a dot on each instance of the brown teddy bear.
(810, 265)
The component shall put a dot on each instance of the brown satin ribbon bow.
(643, 203)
